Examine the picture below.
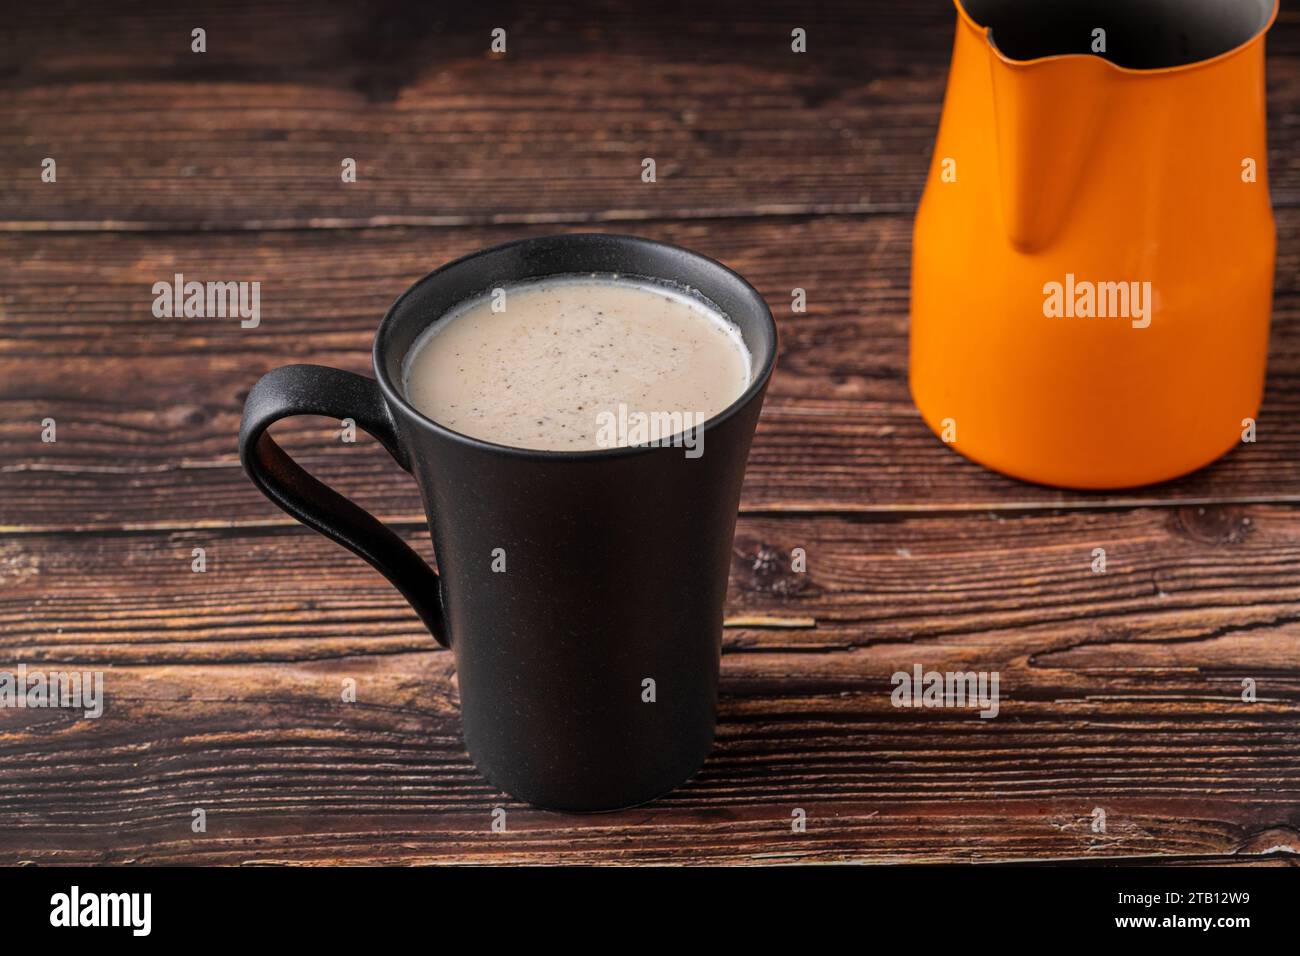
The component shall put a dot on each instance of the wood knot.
(185, 416)
(1212, 524)
(767, 569)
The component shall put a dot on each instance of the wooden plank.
(286, 771)
(251, 134)
(148, 409)
(1183, 587)
(1120, 690)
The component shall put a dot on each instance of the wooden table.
(1121, 691)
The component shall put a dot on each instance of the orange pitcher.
(1092, 270)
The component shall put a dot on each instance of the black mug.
(588, 669)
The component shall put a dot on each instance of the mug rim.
(393, 394)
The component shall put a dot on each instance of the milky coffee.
(557, 364)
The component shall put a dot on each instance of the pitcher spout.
(1048, 117)
(1056, 69)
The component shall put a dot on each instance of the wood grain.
(1120, 691)
(147, 409)
(1181, 585)
(284, 771)
(251, 134)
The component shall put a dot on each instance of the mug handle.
(334, 393)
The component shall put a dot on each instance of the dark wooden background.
(1120, 691)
